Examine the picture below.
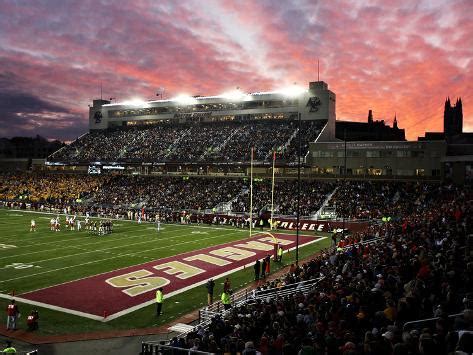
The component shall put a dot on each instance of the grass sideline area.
(34, 260)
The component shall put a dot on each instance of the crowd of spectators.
(352, 200)
(377, 199)
(421, 268)
(47, 188)
(160, 194)
(224, 141)
(140, 143)
(167, 193)
(313, 195)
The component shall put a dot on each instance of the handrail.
(243, 296)
(363, 242)
(425, 320)
(282, 291)
(155, 348)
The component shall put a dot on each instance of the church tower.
(453, 118)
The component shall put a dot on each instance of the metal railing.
(239, 298)
(364, 242)
(155, 348)
(286, 290)
(415, 323)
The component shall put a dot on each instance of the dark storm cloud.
(31, 115)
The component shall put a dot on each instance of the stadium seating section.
(371, 295)
(417, 266)
(226, 141)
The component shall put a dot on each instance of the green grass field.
(34, 260)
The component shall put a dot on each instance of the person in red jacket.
(32, 320)
(12, 315)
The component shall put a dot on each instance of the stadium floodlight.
(134, 102)
(234, 95)
(184, 99)
(292, 91)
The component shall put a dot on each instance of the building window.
(404, 172)
(322, 154)
(353, 154)
(373, 154)
(403, 153)
(420, 172)
(418, 154)
(359, 171)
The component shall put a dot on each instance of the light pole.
(298, 188)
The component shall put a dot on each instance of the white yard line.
(120, 237)
(108, 239)
(106, 250)
(100, 260)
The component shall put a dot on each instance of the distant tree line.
(28, 147)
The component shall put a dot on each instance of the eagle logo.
(313, 103)
(98, 117)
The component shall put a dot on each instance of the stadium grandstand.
(204, 187)
(212, 129)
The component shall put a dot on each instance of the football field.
(88, 282)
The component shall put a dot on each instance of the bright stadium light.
(234, 95)
(134, 102)
(184, 99)
(292, 91)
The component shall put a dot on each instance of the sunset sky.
(391, 56)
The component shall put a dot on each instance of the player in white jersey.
(72, 223)
(158, 223)
(57, 226)
(33, 226)
(52, 224)
(79, 226)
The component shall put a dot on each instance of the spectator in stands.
(371, 289)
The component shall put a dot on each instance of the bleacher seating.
(411, 269)
(226, 141)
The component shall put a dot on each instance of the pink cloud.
(392, 56)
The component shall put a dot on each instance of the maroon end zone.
(122, 291)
